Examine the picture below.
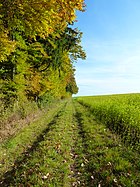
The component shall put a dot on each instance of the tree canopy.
(38, 48)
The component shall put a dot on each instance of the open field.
(71, 145)
(120, 113)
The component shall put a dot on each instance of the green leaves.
(37, 48)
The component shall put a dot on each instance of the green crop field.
(80, 142)
(120, 113)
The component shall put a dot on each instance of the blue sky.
(111, 39)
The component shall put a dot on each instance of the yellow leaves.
(38, 50)
(52, 43)
(51, 15)
(6, 46)
(28, 22)
(45, 86)
(37, 84)
(34, 82)
(40, 17)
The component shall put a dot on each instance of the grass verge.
(21, 142)
(49, 161)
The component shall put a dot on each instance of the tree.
(37, 48)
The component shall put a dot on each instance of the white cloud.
(112, 67)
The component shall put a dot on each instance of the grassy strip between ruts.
(12, 148)
(108, 162)
(51, 161)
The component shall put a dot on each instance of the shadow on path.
(8, 177)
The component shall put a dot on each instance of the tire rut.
(7, 178)
(71, 152)
(79, 152)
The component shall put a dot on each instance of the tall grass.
(16, 110)
(121, 113)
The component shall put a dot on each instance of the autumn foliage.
(38, 48)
